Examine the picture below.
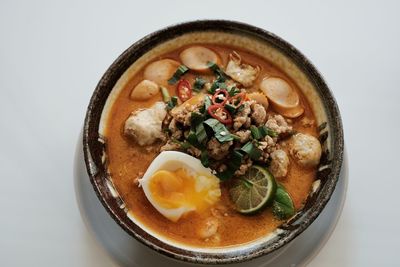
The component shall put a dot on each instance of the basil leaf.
(207, 104)
(201, 133)
(204, 158)
(250, 149)
(182, 69)
(196, 118)
(282, 207)
(192, 139)
(220, 131)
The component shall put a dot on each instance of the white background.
(53, 53)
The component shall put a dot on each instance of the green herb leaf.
(201, 133)
(207, 104)
(250, 149)
(233, 164)
(220, 131)
(233, 90)
(196, 118)
(225, 175)
(230, 108)
(172, 102)
(198, 84)
(182, 69)
(264, 130)
(282, 207)
(215, 85)
(204, 158)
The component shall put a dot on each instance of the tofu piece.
(145, 125)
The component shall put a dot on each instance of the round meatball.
(279, 163)
(306, 149)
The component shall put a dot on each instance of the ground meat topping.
(242, 117)
(259, 114)
(218, 150)
(278, 124)
(244, 135)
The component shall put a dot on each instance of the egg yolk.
(183, 188)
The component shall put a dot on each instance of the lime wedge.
(253, 191)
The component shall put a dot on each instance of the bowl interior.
(261, 43)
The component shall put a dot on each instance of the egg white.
(171, 161)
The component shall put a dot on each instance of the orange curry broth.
(128, 160)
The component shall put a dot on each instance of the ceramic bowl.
(261, 43)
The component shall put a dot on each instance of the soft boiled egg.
(176, 183)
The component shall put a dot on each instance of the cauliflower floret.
(279, 163)
(144, 125)
(306, 149)
(240, 72)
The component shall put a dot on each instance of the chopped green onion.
(221, 76)
(264, 130)
(230, 108)
(196, 118)
(172, 102)
(164, 93)
(235, 137)
(215, 85)
(220, 131)
(255, 132)
(182, 69)
(232, 91)
(198, 84)
(250, 149)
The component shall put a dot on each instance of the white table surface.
(52, 54)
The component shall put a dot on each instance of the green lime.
(253, 191)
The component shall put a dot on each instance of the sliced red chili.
(217, 111)
(237, 100)
(184, 90)
(220, 97)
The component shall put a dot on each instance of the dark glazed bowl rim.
(93, 147)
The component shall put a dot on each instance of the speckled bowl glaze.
(261, 43)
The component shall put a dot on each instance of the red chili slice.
(216, 96)
(184, 90)
(237, 100)
(217, 111)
